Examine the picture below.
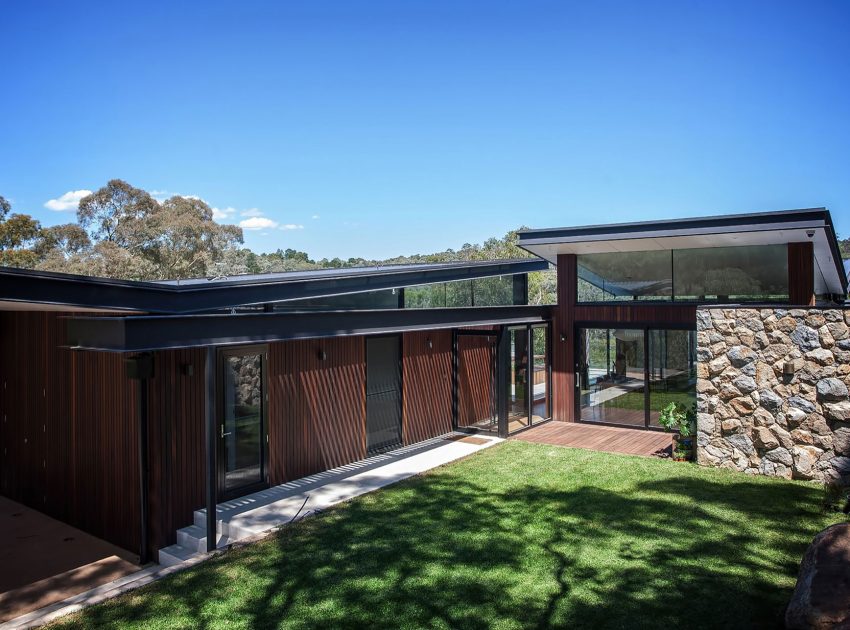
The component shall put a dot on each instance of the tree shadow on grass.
(450, 551)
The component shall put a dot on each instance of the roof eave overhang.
(74, 291)
(785, 227)
(148, 333)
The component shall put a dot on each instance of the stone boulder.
(832, 389)
(822, 596)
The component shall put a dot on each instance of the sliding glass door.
(625, 376)
(528, 376)
(672, 371)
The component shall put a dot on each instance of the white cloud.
(315, 216)
(69, 201)
(222, 214)
(252, 212)
(257, 223)
(291, 226)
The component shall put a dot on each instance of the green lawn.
(517, 536)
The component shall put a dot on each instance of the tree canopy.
(124, 232)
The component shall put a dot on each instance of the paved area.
(601, 438)
(43, 560)
(267, 509)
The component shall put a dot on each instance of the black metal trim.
(58, 289)
(671, 226)
(502, 357)
(141, 333)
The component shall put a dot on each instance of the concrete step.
(194, 538)
(174, 554)
(224, 529)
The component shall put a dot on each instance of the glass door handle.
(223, 433)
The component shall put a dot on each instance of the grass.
(518, 536)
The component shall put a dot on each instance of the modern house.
(128, 405)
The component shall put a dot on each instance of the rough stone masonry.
(772, 391)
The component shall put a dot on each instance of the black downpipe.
(209, 408)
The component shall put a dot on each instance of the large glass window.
(494, 291)
(725, 274)
(540, 373)
(625, 276)
(518, 390)
(627, 376)
(611, 376)
(731, 273)
(672, 371)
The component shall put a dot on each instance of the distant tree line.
(124, 232)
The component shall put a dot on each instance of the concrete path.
(251, 517)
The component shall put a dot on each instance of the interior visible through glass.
(241, 428)
(672, 371)
(617, 384)
(518, 402)
(540, 374)
(611, 376)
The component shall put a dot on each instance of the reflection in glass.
(672, 370)
(625, 276)
(719, 274)
(731, 273)
(495, 291)
(518, 402)
(540, 371)
(611, 376)
(241, 429)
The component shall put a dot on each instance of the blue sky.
(381, 128)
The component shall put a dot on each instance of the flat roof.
(27, 289)
(761, 228)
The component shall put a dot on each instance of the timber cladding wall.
(176, 441)
(475, 386)
(68, 430)
(427, 383)
(317, 407)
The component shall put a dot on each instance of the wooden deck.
(601, 438)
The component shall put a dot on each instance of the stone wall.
(752, 415)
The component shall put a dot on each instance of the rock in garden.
(822, 598)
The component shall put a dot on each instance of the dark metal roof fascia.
(673, 225)
(67, 290)
(144, 333)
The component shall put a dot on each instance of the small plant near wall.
(681, 421)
